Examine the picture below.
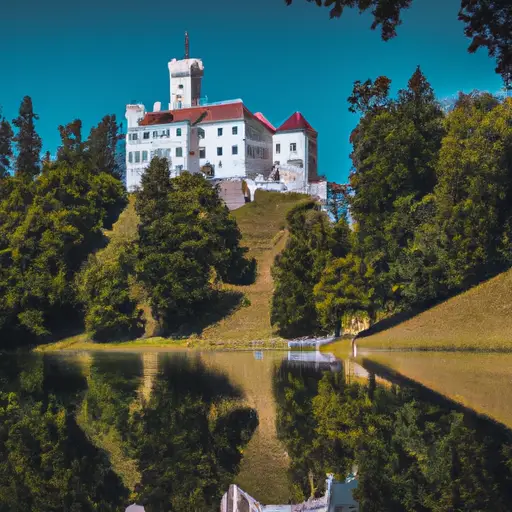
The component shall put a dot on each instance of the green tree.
(111, 314)
(298, 268)
(28, 142)
(185, 233)
(101, 146)
(344, 289)
(396, 147)
(62, 225)
(337, 201)
(219, 228)
(6, 136)
(174, 254)
(72, 148)
(421, 268)
(474, 193)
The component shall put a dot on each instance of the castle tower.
(185, 79)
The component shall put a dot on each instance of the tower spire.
(186, 46)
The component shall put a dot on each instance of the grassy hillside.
(262, 224)
(479, 319)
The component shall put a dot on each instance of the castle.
(224, 140)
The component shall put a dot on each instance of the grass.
(262, 224)
(477, 320)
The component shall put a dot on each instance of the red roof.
(222, 112)
(296, 122)
(265, 121)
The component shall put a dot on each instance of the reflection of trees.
(112, 382)
(411, 454)
(48, 464)
(182, 441)
(187, 438)
(311, 455)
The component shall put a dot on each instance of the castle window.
(179, 152)
(234, 130)
(155, 134)
(219, 150)
(278, 148)
(219, 132)
(134, 136)
(145, 135)
(178, 132)
(180, 86)
(293, 147)
(130, 157)
(234, 150)
(145, 156)
(137, 157)
(202, 153)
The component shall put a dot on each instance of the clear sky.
(84, 59)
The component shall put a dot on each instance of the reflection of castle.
(149, 372)
(224, 140)
(314, 359)
(337, 498)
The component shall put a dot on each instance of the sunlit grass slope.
(262, 224)
(479, 319)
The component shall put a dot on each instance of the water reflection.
(85, 432)
(409, 453)
(172, 431)
(480, 381)
(47, 462)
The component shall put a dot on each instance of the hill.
(479, 319)
(262, 223)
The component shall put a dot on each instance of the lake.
(97, 430)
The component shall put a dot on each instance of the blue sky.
(84, 59)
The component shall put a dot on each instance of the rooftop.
(296, 122)
(230, 111)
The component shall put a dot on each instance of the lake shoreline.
(82, 342)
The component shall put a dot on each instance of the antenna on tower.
(186, 46)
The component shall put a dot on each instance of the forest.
(55, 215)
(427, 212)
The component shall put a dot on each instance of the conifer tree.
(396, 147)
(72, 149)
(27, 141)
(101, 147)
(299, 267)
(6, 135)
